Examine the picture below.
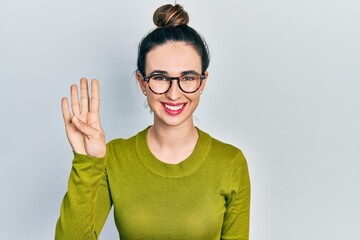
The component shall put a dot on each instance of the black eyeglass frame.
(147, 79)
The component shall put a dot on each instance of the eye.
(159, 78)
(189, 78)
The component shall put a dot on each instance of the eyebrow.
(181, 74)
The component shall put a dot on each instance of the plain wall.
(284, 86)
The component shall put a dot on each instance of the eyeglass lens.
(187, 83)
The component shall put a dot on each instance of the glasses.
(188, 83)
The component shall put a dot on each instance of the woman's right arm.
(87, 202)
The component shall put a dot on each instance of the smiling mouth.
(174, 107)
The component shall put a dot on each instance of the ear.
(203, 83)
(141, 81)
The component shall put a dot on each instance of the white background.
(283, 86)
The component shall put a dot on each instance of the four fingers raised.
(77, 109)
(83, 128)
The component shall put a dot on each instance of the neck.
(164, 134)
(172, 144)
(173, 135)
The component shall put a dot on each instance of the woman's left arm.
(237, 214)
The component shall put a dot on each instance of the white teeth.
(174, 108)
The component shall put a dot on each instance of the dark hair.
(171, 22)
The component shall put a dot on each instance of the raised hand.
(83, 127)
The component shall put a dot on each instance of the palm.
(85, 136)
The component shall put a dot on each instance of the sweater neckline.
(184, 168)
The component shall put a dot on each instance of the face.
(174, 107)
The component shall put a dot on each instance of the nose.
(174, 92)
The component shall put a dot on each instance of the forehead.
(173, 57)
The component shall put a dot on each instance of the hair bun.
(170, 16)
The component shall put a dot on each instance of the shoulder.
(230, 160)
(227, 158)
(122, 145)
(223, 150)
(121, 142)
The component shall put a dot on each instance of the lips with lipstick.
(173, 108)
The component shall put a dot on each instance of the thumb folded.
(83, 127)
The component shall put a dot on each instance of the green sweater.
(205, 197)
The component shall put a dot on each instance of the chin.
(174, 121)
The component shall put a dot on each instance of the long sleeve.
(87, 202)
(236, 219)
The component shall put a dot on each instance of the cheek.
(149, 103)
(195, 97)
(151, 97)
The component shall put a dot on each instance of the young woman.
(171, 180)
